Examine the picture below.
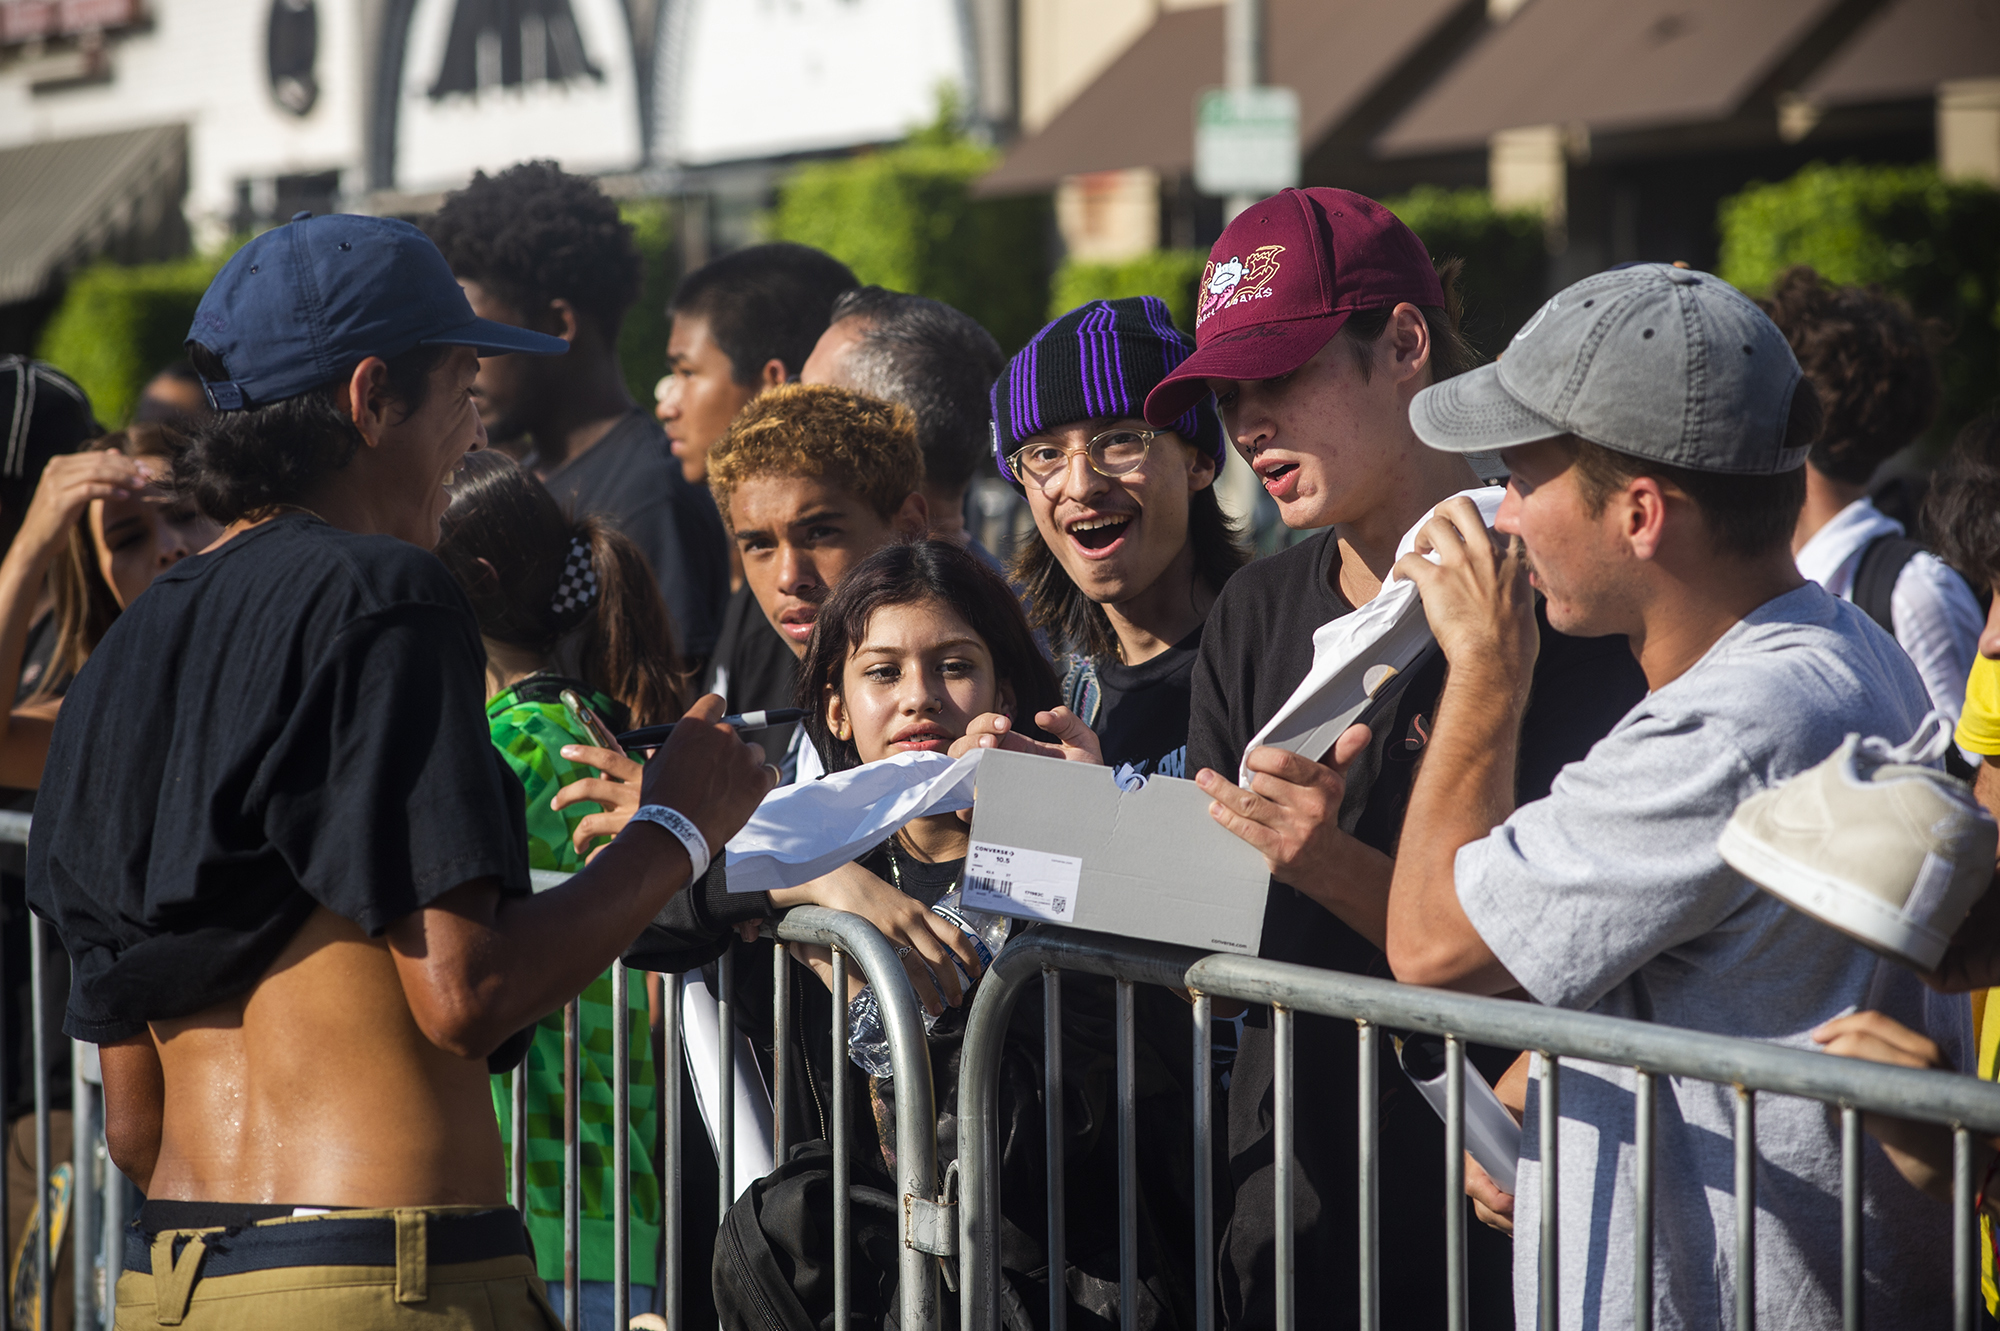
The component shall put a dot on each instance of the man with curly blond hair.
(811, 480)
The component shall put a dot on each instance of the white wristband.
(684, 830)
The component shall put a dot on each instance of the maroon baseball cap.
(1285, 276)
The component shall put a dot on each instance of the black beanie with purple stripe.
(1099, 360)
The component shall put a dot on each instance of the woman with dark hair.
(958, 650)
(556, 596)
(914, 643)
(569, 615)
(917, 642)
(1134, 544)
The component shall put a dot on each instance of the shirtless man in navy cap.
(282, 852)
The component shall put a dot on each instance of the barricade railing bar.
(1963, 1103)
(101, 1197)
(932, 1227)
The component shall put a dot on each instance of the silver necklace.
(896, 869)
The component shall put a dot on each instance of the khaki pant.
(497, 1294)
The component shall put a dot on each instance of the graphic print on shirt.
(1167, 764)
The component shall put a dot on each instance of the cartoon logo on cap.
(1238, 280)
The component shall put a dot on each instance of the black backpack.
(1882, 562)
(773, 1266)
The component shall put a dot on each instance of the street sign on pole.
(1246, 141)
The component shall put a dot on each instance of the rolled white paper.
(1491, 1134)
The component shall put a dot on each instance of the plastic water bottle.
(868, 1042)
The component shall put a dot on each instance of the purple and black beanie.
(1100, 359)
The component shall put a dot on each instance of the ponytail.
(628, 648)
(574, 592)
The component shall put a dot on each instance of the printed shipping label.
(1022, 882)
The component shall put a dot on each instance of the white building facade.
(244, 111)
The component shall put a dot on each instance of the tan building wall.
(1067, 43)
(1968, 130)
(1064, 44)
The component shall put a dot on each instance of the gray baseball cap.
(1663, 363)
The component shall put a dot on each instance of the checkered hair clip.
(577, 591)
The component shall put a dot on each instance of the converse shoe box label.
(1054, 840)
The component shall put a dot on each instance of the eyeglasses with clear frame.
(1115, 452)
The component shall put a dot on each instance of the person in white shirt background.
(1870, 360)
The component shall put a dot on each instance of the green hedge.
(1505, 253)
(1506, 262)
(642, 340)
(1936, 243)
(117, 326)
(1172, 275)
(904, 218)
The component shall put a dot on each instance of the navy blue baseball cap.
(305, 303)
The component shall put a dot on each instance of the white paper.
(1042, 884)
(755, 1140)
(1345, 653)
(804, 831)
(1492, 1137)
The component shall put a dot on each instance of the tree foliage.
(117, 326)
(642, 339)
(1934, 242)
(1505, 277)
(1172, 275)
(905, 218)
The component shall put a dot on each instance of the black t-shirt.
(753, 668)
(1256, 649)
(1142, 715)
(291, 721)
(632, 477)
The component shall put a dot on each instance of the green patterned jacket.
(530, 726)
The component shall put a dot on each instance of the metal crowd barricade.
(924, 1223)
(1963, 1103)
(101, 1197)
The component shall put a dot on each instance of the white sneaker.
(1891, 853)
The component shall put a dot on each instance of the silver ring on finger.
(777, 773)
(905, 950)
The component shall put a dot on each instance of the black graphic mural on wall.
(291, 52)
(507, 43)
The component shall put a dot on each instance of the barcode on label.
(1031, 883)
(999, 887)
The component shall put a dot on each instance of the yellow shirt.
(1986, 1033)
(1979, 723)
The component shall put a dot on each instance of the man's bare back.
(317, 1088)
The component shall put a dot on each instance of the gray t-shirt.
(1609, 895)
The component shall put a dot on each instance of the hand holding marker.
(650, 737)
